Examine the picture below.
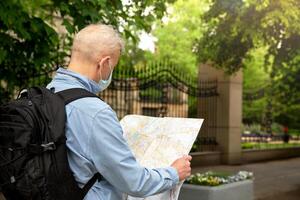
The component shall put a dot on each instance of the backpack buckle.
(49, 146)
(41, 148)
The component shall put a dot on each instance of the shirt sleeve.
(114, 160)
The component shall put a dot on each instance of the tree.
(31, 43)
(177, 33)
(255, 80)
(236, 27)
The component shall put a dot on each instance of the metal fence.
(162, 90)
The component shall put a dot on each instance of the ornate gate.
(162, 90)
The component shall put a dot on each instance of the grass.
(294, 132)
(252, 145)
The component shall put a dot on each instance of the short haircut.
(97, 39)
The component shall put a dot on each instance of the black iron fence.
(162, 90)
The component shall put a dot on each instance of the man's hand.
(183, 166)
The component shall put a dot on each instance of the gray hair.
(96, 39)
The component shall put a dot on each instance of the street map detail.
(157, 142)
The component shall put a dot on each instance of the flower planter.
(242, 190)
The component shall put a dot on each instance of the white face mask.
(103, 84)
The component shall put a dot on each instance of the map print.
(158, 142)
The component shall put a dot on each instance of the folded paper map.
(157, 142)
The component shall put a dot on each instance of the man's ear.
(104, 61)
(103, 67)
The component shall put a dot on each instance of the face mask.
(103, 84)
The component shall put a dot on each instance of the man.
(94, 136)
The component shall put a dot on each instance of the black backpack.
(33, 153)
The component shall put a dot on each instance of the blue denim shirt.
(96, 144)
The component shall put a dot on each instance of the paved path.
(274, 180)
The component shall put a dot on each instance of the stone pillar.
(229, 112)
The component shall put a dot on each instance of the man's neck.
(85, 69)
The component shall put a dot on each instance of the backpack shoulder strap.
(70, 95)
(73, 94)
(91, 182)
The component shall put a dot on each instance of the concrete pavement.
(274, 180)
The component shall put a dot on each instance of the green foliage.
(177, 33)
(237, 29)
(253, 111)
(254, 74)
(152, 94)
(252, 129)
(27, 43)
(218, 178)
(294, 132)
(252, 145)
(255, 128)
(192, 112)
(290, 116)
(208, 178)
(248, 145)
(277, 129)
(31, 44)
(255, 77)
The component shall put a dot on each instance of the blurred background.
(235, 63)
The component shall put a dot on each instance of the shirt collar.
(88, 84)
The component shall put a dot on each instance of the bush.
(277, 129)
(248, 146)
(216, 178)
(294, 132)
(252, 129)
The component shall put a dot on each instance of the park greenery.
(212, 179)
(36, 35)
(254, 145)
(237, 30)
(260, 37)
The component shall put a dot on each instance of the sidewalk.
(274, 180)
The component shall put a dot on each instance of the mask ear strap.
(111, 71)
(100, 68)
